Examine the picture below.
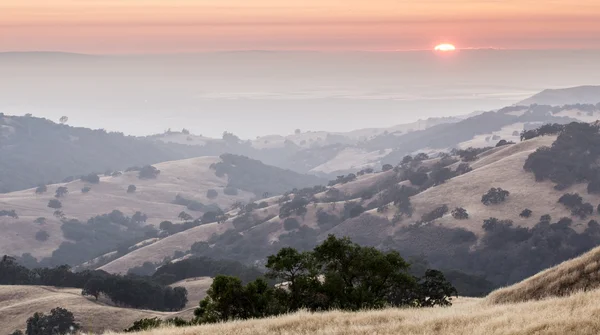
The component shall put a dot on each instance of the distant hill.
(565, 96)
(38, 151)
(181, 185)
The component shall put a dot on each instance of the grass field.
(576, 314)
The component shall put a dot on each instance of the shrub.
(40, 220)
(526, 213)
(86, 189)
(131, 189)
(503, 143)
(290, 224)
(212, 194)
(41, 189)
(230, 190)
(418, 178)
(54, 203)
(91, 178)
(460, 213)
(386, 167)
(185, 216)
(494, 196)
(148, 172)
(42, 236)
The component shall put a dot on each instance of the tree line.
(129, 291)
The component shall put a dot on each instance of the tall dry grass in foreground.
(576, 314)
(578, 274)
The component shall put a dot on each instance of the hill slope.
(572, 315)
(21, 302)
(36, 150)
(578, 274)
(565, 96)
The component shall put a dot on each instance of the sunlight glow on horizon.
(173, 26)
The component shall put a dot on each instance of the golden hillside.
(21, 302)
(576, 314)
(578, 274)
(191, 178)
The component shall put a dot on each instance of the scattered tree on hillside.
(86, 189)
(131, 189)
(165, 225)
(58, 214)
(421, 157)
(59, 321)
(291, 224)
(230, 190)
(295, 207)
(386, 167)
(40, 220)
(494, 196)
(91, 178)
(212, 194)
(574, 202)
(42, 236)
(526, 213)
(11, 213)
(183, 216)
(41, 189)
(61, 191)
(434, 214)
(460, 213)
(418, 178)
(594, 187)
(63, 119)
(139, 218)
(463, 168)
(54, 203)
(148, 172)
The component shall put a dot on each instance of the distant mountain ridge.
(565, 96)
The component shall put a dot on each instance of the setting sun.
(445, 47)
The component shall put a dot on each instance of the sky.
(179, 26)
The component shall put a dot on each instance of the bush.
(494, 196)
(86, 189)
(526, 213)
(42, 236)
(91, 178)
(131, 189)
(291, 224)
(230, 190)
(40, 220)
(503, 143)
(460, 213)
(54, 203)
(212, 194)
(386, 167)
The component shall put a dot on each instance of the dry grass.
(578, 274)
(190, 177)
(576, 314)
(502, 168)
(18, 303)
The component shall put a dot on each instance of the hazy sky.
(164, 26)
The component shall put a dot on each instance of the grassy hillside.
(579, 274)
(190, 178)
(21, 302)
(576, 314)
(36, 150)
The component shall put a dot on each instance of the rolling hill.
(189, 179)
(565, 96)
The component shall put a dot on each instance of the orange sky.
(160, 26)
